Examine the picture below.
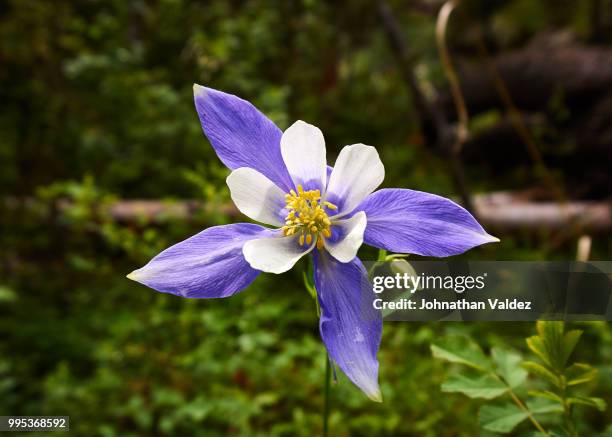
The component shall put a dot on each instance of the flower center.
(307, 217)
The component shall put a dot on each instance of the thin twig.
(453, 146)
(434, 125)
(516, 118)
(451, 73)
(527, 411)
(431, 118)
(520, 404)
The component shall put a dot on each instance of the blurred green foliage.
(97, 106)
(551, 407)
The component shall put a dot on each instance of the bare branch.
(451, 74)
(435, 127)
(505, 211)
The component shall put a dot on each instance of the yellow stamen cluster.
(307, 217)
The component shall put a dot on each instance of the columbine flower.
(282, 179)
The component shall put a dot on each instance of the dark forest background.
(96, 110)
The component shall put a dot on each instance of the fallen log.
(562, 89)
(501, 210)
(506, 211)
(534, 73)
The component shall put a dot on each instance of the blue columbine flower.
(282, 179)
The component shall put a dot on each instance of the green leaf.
(508, 366)
(598, 403)
(536, 345)
(501, 419)
(547, 394)
(550, 330)
(542, 371)
(551, 336)
(543, 406)
(484, 387)
(504, 418)
(579, 373)
(552, 345)
(570, 339)
(461, 350)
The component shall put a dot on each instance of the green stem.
(327, 396)
(382, 256)
(310, 287)
(567, 410)
(527, 411)
(521, 405)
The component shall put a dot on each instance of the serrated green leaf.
(598, 403)
(579, 373)
(508, 366)
(547, 394)
(484, 387)
(542, 371)
(500, 418)
(461, 350)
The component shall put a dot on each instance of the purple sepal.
(241, 135)
(350, 326)
(407, 221)
(208, 265)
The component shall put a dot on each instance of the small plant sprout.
(504, 373)
(282, 179)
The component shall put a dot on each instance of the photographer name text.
(456, 284)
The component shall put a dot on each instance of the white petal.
(256, 196)
(274, 255)
(351, 237)
(303, 150)
(358, 172)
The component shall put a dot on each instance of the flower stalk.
(306, 274)
(327, 396)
